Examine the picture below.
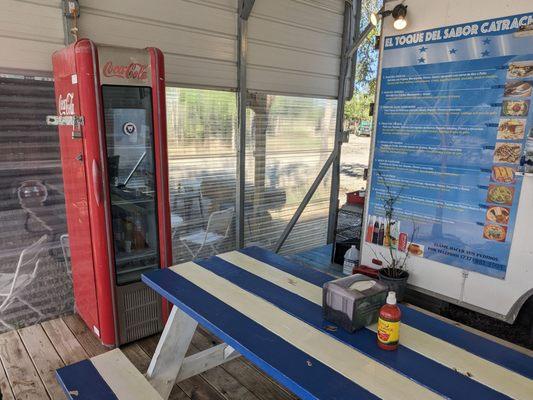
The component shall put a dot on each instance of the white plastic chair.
(12, 284)
(218, 227)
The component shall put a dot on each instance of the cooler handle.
(97, 182)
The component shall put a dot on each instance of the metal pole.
(339, 126)
(245, 8)
(71, 13)
(304, 202)
(359, 39)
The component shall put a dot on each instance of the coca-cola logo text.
(130, 71)
(66, 104)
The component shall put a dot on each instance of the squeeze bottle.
(389, 324)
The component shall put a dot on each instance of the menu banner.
(453, 126)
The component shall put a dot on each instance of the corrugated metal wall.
(29, 32)
(198, 38)
(294, 46)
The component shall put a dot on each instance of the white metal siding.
(198, 38)
(29, 33)
(294, 46)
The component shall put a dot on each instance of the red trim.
(161, 160)
(95, 150)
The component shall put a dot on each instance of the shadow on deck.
(30, 356)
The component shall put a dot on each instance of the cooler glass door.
(130, 157)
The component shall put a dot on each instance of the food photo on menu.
(495, 232)
(517, 89)
(520, 70)
(503, 174)
(515, 108)
(507, 153)
(511, 129)
(498, 214)
(499, 194)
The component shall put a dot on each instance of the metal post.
(245, 8)
(71, 13)
(304, 202)
(347, 39)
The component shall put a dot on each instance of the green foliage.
(194, 113)
(356, 110)
(366, 70)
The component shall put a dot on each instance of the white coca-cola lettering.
(66, 104)
(130, 71)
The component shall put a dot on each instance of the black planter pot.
(396, 284)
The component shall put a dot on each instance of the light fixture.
(375, 17)
(398, 13)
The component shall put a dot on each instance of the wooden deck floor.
(30, 356)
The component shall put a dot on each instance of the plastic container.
(353, 302)
(357, 197)
(351, 260)
(388, 333)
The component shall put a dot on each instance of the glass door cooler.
(113, 148)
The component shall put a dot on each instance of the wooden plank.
(196, 387)
(122, 377)
(340, 357)
(498, 340)
(245, 372)
(487, 372)
(140, 359)
(170, 351)
(44, 357)
(205, 360)
(5, 386)
(64, 341)
(20, 370)
(85, 337)
(220, 379)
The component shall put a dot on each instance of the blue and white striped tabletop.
(269, 309)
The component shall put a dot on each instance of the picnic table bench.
(268, 309)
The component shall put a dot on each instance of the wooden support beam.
(170, 351)
(205, 360)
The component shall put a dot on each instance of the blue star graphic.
(485, 53)
(421, 60)
(422, 49)
(453, 51)
(486, 41)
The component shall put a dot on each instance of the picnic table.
(268, 309)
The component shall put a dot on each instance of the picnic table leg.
(170, 352)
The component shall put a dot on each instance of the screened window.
(288, 141)
(32, 204)
(202, 127)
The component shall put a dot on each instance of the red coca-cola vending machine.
(112, 128)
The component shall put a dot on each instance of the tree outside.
(357, 109)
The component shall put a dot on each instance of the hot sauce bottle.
(381, 232)
(370, 229)
(387, 238)
(389, 324)
(375, 231)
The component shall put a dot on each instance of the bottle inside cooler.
(129, 139)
